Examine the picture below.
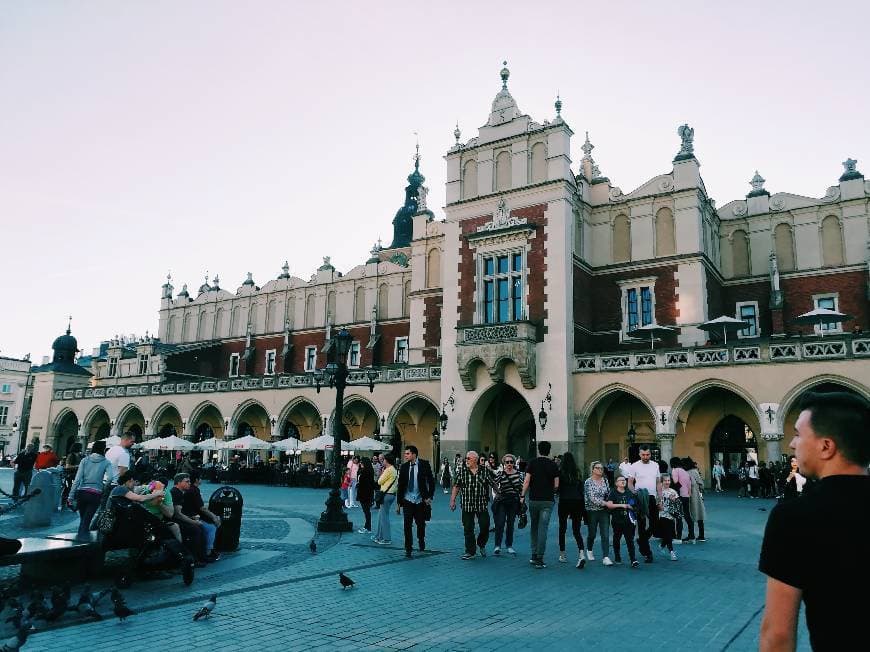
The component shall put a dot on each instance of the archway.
(616, 426)
(502, 422)
(252, 419)
(300, 419)
(206, 421)
(360, 418)
(167, 421)
(97, 424)
(132, 420)
(415, 421)
(716, 422)
(66, 432)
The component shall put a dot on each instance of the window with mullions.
(502, 288)
(638, 307)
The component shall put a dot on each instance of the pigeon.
(206, 609)
(15, 643)
(312, 547)
(37, 607)
(59, 602)
(85, 605)
(96, 598)
(346, 582)
(122, 611)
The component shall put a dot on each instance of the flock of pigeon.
(38, 606)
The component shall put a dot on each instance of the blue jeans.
(209, 529)
(383, 533)
(539, 523)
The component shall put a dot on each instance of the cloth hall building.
(510, 315)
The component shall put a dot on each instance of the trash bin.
(226, 503)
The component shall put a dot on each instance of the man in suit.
(416, 488)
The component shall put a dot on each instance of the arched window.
(832, 242)
(433, 269)
(740, 253)
(185, 328)
(254, 319)
(406, 299)
(539, 163)
(238, 325)
(172, 330)
(202, 329)
(784, 247)
(503, 171)
(309, 311)
(665, 244)
(383, 301)
(220, 323)
(330, 305)
(469, 180)
(272, 323)
(621, 239)
(359, 305)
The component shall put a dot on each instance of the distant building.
(14, 403)
(512, 318)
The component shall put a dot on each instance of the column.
(666, 445)
(772, 446)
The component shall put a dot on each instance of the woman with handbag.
(508, 488)
(388, 483)
(696, 500)
(86, 492)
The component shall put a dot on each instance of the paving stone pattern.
(275, 595)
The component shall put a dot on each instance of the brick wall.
(851, 286)
(536, 261)
(757, 291)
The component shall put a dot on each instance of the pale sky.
(142, 137)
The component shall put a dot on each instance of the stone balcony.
(247, 383)
(832, 347)
(493, 345)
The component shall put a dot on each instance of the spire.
(415, 191)
(587, 164)
(167, 287)
(205, 287)
(504, 107)
(558, 106)
(456, 133)
(69, 325)
(249, 279)
(285, 270)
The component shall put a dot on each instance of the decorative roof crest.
(502, 219)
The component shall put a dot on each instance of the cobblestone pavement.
(275, 595)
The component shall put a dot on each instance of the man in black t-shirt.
(23, 471)
(540, 485)
(817, 543)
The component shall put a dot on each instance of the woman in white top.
(718, 473)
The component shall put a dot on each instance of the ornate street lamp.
(334, 519)
(442, 420)
(542, 417)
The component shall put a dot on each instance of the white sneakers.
(562, 557)
(590, 556)
(606, 561)
(511, 551)
(496, 550)
(673, 556)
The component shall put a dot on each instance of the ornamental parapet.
(248, 383)
(840, 347)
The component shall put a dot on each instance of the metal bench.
(48, 558)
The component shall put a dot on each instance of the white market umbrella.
(247, 443)
(724, 325)
(322, 443)
(367, 444)
(651, 331)
(211, 444)
(287, 445)
(821, 316)
(171, 443)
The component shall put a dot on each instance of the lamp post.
(334, 519)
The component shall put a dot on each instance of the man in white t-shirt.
(625, 468)
(119, 455)
(644, 474)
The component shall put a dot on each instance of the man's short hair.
(181, 477)
(412, 449)
(194, 476)
(644, 447)
(47, 447)
(128, 435)
(544, 447)
(125, 476)
(843, 417)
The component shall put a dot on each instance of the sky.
(138, 138)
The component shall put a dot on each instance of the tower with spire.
(403, 222)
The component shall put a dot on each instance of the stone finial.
(216, 281)
(285, 270)
(249, 279)
(587, 148)
(558, 106)
(850, 170)
(456, 133)
(687, 144)
(505, 74)
(757, 183)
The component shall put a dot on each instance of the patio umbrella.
(287, 445)
(247, 443)
(172, 443)
(367, 444)
(322, 443)
(210, 444)
(724, 325)
(821, 316)
(651, 331)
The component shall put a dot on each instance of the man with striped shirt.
(475, 484)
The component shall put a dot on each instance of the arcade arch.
(97, 424)
(615, 416)
(414, 421)
(131, 420)
(501, 421)
(167, 421)
(251, 418)
(300, 419)
(66, 431)
(206, 421)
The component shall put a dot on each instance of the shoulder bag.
(379, 495)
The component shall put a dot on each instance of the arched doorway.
(132, 420)
(616, 427)
(415, 422)
(732, 443)
(206, 421)
(167, 422)
(97, 425)
(301, 419)
(253, 420)
(360, 418)
(502, 422)
(65, 433)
